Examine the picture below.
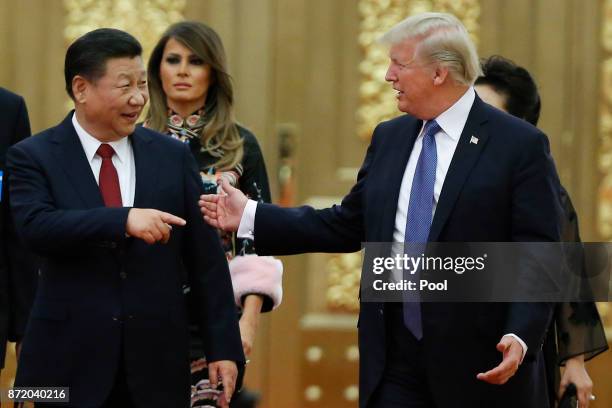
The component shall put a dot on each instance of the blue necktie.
(418, 221)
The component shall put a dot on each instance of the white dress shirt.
(123, 160)
(451, 121)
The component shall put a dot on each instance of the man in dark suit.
(18, 267)
(452, 170)
(113, 211)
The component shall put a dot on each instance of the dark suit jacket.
(104, 299)
(504, 188)
(18, 267)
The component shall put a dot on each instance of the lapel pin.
(474, 140)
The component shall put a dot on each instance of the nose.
(182, 71)
(139, 97)
(390, 75)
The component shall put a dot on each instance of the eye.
(196, 61)
(173, 60)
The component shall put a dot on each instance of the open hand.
(223, 211)
(512, 356)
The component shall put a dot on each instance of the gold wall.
(298, 70)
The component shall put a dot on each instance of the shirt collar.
(91, 144)
(452, 121)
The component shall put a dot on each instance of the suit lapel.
(146, 168)
(392, 177)
(71, 156)
(463, 161)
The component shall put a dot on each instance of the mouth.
(398, 93)
(182, 85)
(133, 117)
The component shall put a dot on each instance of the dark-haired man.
(113, 211)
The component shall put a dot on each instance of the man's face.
(113, 103)
(412, 78)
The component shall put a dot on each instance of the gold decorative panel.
(343, 284)
(377, 100)
(604, 222)
(605, 126)
(144, 19)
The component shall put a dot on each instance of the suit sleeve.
(341, 228)
(47, 229)
(209, 277)
(536, 212)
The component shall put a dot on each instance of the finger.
(156, 233)
(213, 375)
(208, 206)
(583, 398)
(491, 377)
(229, 382)
(212, 222)
(222, 402)
(165, 230)
(148, 238)
(495, 375)
(172, 219)
(226, 187)
(210, 198)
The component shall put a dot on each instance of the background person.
(577, 333)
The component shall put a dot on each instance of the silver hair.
(443, 39)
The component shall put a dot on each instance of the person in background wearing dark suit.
(18, 267)
(453, 169)
(577, 334)
(113, 211)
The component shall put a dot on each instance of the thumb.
(503, 345)
(226, 187)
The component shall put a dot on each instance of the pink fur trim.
(253, 274)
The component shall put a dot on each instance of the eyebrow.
(123, 75)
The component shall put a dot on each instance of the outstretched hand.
(223, 210)
(512, 356)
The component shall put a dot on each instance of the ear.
(440, 75)
(80, 86)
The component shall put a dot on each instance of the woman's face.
(185, 77)
(491, 96)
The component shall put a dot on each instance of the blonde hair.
(442, 39)
(220, 131)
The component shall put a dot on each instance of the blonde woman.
(191, 99)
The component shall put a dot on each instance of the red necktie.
(109, 180)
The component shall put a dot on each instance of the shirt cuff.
(521, 342)
(246, 229)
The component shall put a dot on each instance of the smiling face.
(109, 107)
(185, 77)
(411, 77)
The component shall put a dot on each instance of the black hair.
(88, 54)
(515, 83)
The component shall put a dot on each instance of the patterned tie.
(418, 220)
(109, 180)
